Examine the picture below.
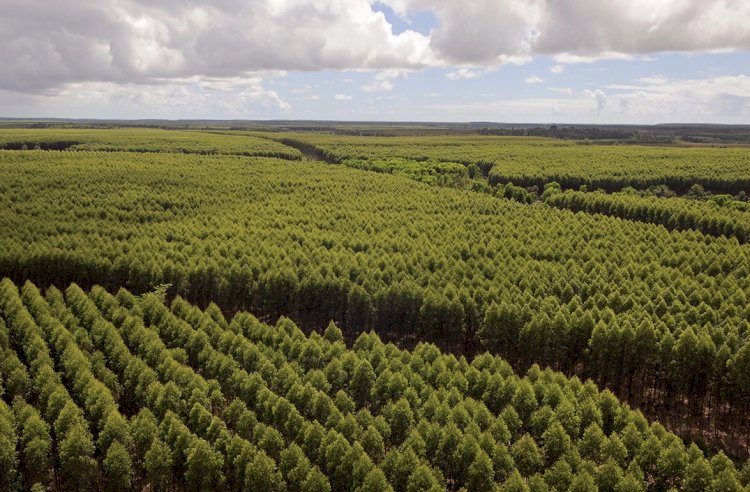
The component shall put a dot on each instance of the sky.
(514, 61)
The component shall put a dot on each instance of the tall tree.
(203, 467)
(157, 463)
(118, 468)
(78, 467)
(262, 474)
(481, 476)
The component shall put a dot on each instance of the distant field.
(531, 161)
(466, 161)
(143, 140)
(445, 160)
(720, 216)
(721, 170)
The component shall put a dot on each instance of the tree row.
(293, 412)
(709, 217)
(320, 243)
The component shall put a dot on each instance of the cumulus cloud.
(48, 44)
(383, 81)
(463, 74)
(533, 79)
(185, 98)
(689, 99)
(489, 31)
(599, 97)
(304, 89)
(220, 58)
(654, 80)
(572, 58)
(724, 99)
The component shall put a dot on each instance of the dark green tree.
(481, 475)
(78, 467)
(698, 475)
(262, 474)
(204, 467)
(526, 455)
(375, 481)
(118, 468)
(423, 479)
(361, 383)
(316, 481)
(157, 462)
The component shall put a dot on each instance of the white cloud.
(185, 98)
(655, 80)
(463, 74)
(383, 85)
(383, 81)
(482, 32)
(222, 54)
(709, 100)
(599, 97)
(533, 80)
(304, 89)
(571, 58)
(342, 97)
(726, 97)
(49, 44)
(705, 100)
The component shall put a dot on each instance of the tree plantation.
(243, 310)
(143, 140)
(534, 161)
(718, 216)
(116, 391)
